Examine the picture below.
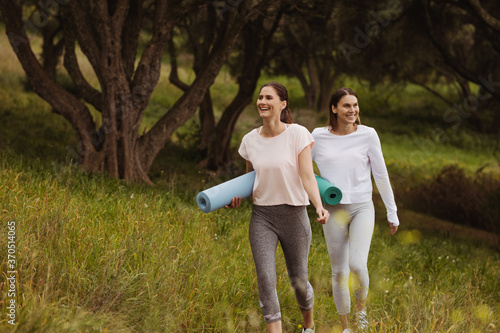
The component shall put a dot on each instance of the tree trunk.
(255, 39)
(219, 150)
(314, 84)
(471, 106)
(327, 80)
(51, 51)
(324, 97)
(307, 87)
(207, 122)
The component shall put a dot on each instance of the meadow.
(95, 254)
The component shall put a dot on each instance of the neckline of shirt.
(272, 137)
(358, 127)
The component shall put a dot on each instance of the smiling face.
(269, 103)
(347, 110)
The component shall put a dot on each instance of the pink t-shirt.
(276, 164)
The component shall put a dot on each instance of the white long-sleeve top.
(347, 162)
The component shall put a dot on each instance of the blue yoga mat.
(221, 195)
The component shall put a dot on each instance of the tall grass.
(97, 254)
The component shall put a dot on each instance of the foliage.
(453, 195)
(431, 44)
(304, 49)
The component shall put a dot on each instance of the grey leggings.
(288, 225)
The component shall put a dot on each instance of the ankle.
(308, 329)
(360, 307)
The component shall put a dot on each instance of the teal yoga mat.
(329, 194)
(221, 195)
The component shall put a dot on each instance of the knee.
(304, 293)
(299, 284)
(358, 269)
(361, 293)
(266, 281)
(340, 277)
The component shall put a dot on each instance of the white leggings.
(348, 235)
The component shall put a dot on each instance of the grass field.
(95, 254)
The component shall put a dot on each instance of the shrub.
(455, 196)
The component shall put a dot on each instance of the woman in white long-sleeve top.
(346, 154)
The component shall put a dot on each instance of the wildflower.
(132, 196)
(146, 205)
(215, 236)
(411, 277)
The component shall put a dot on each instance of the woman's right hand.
(235, 202)
(323, 215)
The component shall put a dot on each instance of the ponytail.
(286, 115)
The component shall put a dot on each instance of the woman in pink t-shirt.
(280, 153)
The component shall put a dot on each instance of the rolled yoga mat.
(329, 194)
(221, 195)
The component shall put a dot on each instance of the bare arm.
(311, 185)
(249, 166)
(236, 201)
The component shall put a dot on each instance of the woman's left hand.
(235, 202)
(393, 228)
(323, 215)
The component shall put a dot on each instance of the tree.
(254, 47)
(107, 33)
(425, 42)
(308, 40)
(469, 47)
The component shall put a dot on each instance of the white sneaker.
(362, 320)
(307, 330)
